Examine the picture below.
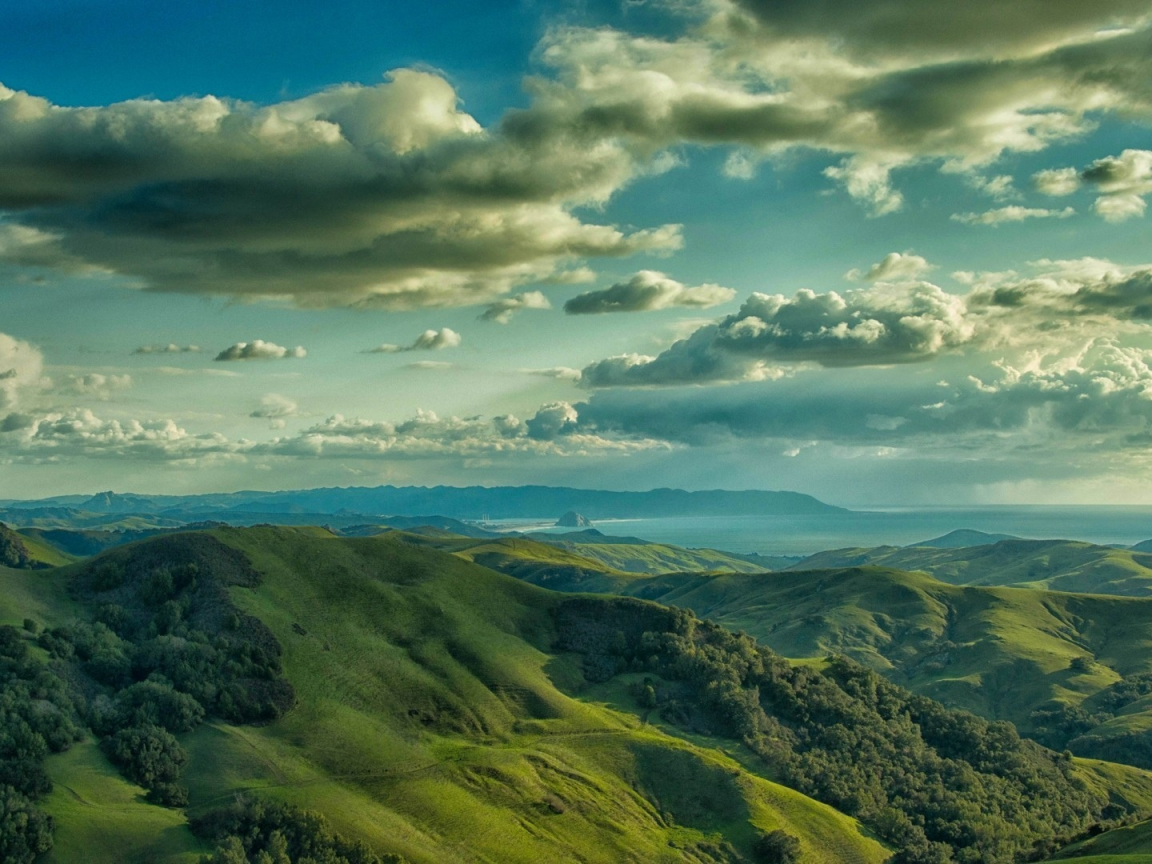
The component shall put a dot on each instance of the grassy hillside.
(28, 553)
(434, 720)
(1003, 653)
(1058, 565)
(1131, 844)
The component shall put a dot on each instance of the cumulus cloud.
(276, 409)
(1093, 404)
(21, 369)
(1057, 182)
(170, 348)
(894, 266)
(429, 340)
(80, 433)
(879, 325)
(747, 79)
(1122, 183)
(98, 385)
(646, 291)
(258, 349)
(392, 196)
(1011, 213)
(502, 310)
(907, 320)
(385, 196)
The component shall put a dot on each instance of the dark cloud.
(647, 291)
(258, 349)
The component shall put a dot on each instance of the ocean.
(805, 535)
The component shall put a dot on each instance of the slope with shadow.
(1072, 670)
(434, 720)
(1058, 565)
(20, 552)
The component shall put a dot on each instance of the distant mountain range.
(470, 502)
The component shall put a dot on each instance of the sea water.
(806, 535)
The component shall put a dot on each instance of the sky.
(886, 253)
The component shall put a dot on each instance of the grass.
(1127, 845)
(429, 724)
(1058, 565)
(999, 652)
(100, 816)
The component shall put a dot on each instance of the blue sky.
(191, 192)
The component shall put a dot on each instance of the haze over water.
(806, 535)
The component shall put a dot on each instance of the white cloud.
(1012, 213)
(21, 369)
(1057, 182)
(1122, 182)
(562, 373)
(98, 385)
(647, 291)
(502, 310)
(429, 340)
(895, 266)
(276, 409)
(258, 349)
(170, 348)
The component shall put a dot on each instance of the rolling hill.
(440, 711)
(1072, 670)
(1058, 565)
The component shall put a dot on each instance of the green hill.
(429, 723)
(1058, 565)
(28, 553)
(437, 710)
(1130, 844)
(1072, 670)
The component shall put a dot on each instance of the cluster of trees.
(256, 831)
(165, 649)
(13, 552)
(36, 718)
(940, 785)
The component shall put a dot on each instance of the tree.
(777, 847)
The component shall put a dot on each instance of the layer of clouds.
(170, 348)
(258, 349)
(392, 196)
(502, 310)
(907, 320)
(747, 78)
(57, 435)
(1101, 394)
(429, 340)
(647, 291)
(1012, 213)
